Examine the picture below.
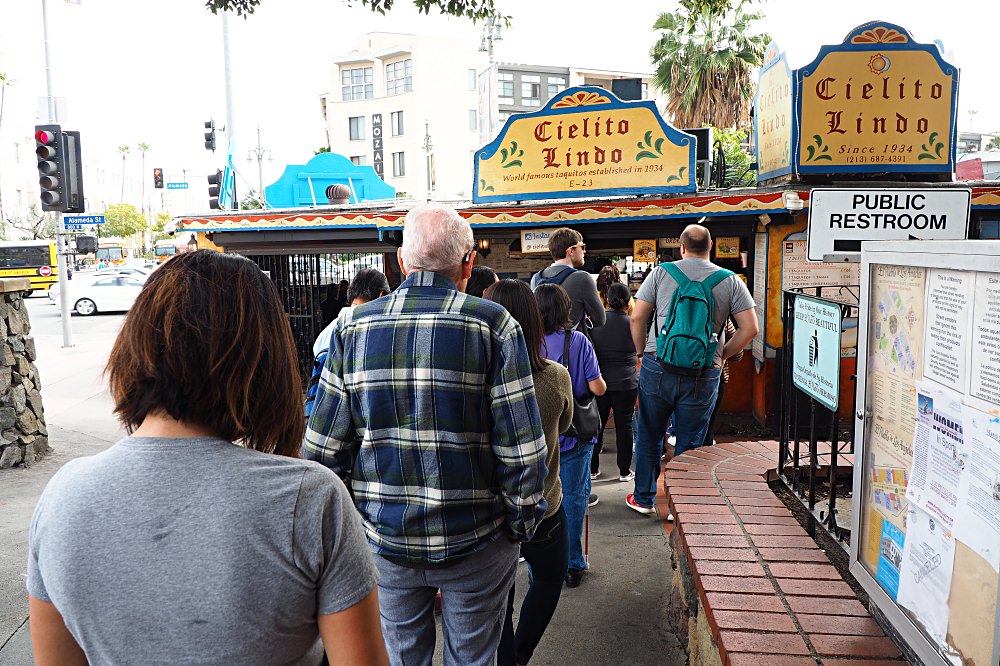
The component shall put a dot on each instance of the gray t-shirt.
(197, 551)
(731, 296)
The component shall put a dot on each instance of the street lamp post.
(429, 150)
(260, 152)
(491, 33)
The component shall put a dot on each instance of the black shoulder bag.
(586, 419)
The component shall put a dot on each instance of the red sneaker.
(635, 506)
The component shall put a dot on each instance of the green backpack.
(686, 340)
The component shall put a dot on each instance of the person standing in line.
(201, 537)
(617, 359)
(568, 253)
(426, 404)
(574, 453)
(608, 276)
(547, 552)
(482, 278)
(664, 389)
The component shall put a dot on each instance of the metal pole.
(260, 167)
(67, 325)
(230, 119)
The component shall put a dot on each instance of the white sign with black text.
(840, 219)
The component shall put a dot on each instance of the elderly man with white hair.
(426, 406)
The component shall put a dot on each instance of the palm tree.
(143, 147)
(5, 81)
(703, 62)
(124, 151)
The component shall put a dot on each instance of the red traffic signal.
(158, 178)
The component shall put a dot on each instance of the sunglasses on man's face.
(581, 246)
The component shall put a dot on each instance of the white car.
(107, 293)
(135, 271)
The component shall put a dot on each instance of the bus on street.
(33, 259)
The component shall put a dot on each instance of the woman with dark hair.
(608, 276)
(574, 452)
(206, 539)
(617, 359)
(480, 280)
(547, 551)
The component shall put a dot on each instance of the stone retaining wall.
(23, 436)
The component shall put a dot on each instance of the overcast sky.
(151, 70)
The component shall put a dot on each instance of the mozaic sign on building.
(585, 143)
(879, 102)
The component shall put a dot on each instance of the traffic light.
(60, 169)
(158, 178)
(214, 188)
(210, 135)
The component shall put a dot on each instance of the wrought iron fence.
(305, 283)
(803, 480)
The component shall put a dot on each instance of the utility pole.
(230, 119)
(259, 153)
(61, 250)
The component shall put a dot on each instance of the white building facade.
(396, 93)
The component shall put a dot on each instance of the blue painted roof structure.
(304, 185)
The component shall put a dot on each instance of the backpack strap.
(565, 357)
(676, 273)
(713, 280)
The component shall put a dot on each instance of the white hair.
(435, 238)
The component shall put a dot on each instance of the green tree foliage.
(473, 9)
(122, 221)
(323, 149)
(32, 225)
(994, 143)
(738, 160)
(703, 60)
(251, 201)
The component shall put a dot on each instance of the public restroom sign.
(774, 112)
(877, 103)
(585, 142)
(840, 219)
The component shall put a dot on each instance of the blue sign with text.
(177, 186)
(83, 220)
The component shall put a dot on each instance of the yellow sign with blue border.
(585, 142)
(879, 102)
(774, 115)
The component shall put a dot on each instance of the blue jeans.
(472, 607)
(546, 555)
(574, 472)
(663, 393)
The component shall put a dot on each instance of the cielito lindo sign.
(585, 142)
(879, 102)
(774, 113)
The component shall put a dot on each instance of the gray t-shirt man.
(731, 296)
(197, 551)
(583, 296)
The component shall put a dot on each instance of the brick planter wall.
(23, 436)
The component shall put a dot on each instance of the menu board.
(929, 453)
(760, 295)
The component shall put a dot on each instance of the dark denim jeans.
(547, 555)
(663, 393)
(574, 472)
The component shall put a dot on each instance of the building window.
(357, 83)
(399, 77)
(645, 90)
(398, 165)
(472, 79)
(357, 125)
(505, 87)
(396, 117)
(473, 119)
(531, 90)
(360, 160)
(504, 115)
(556, 85)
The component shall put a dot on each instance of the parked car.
(107, 293)
(136, 271)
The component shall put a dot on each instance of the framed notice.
(727, 247)
(816, 350)
(926, 513)
(535, 241)
(644, 250)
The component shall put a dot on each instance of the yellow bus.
(33, 259)
(112, 254)
(164, 249)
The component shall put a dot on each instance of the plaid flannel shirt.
(427, 403)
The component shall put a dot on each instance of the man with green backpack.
(678, 325)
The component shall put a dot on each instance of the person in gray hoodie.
(568, 254)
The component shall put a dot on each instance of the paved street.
(618, 614)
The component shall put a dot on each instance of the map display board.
(927, 443)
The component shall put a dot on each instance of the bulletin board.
(926, 542)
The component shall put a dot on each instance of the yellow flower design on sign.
(582, 98)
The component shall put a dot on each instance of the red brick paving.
(730, 525)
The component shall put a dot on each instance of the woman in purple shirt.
(574, 454)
